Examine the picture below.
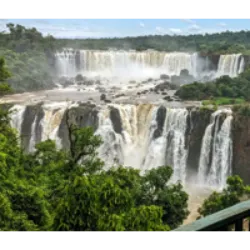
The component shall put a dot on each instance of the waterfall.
(135, 64)
(216, 151)
(16, 118)
(32, 142)
(53, 114)
(175, 62)
(110, 150)
(176, 153)
(230, 65)
(65, 62)
(125, 63)
(136, 146)
(145, 136)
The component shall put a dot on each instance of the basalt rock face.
(116, 120)
(38, 120)
(33, 113)
(241, 147)
(81, 116)
(160, 119)
(212, 59)
(197, 122)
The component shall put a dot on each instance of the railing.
(229, 219)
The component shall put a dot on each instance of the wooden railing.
(234, 218)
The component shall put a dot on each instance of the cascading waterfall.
(123, 63)
(110, 150)
(176, 153)
(135, 64)
(32, 142)
(135, 143)
(205, 148)
(16, 117)
(53, 114)
(222, 155)
(216, 152)
(65, 62)
(230, 65)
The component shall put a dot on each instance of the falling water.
(222, 155)
(205, 148)
(216, 151)
(135, 144)
(110, 150)
(53, 114)
(16, 117)
(32, 142)
(230, 65)
(176, 154)
(124, 63)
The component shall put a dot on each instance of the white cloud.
(222, 24)
(188, 21)
(194, 27)
(160, 29)
(176, 31)
(142, 24)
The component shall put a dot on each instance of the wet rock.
(80, 78)
(101, 90)
(164, 77)
(119, 95)
(103, 97)
(162, 86)
(107, 101)
(116, 120)
(160, 119)
(167, 98)
(65, 82)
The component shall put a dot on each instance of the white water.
(125, 64)
(32, 142)
(176, 155)
(139, 65)
(230, 65)
(136, 145)
(16, 117)
(216, 143)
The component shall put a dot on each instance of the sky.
(97, 28)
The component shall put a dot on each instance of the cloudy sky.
(82, 28)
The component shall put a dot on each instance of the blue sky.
(95, 28)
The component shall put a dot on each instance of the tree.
(230, 196)
(53, 189)
(4, 75)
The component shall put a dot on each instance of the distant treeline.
(30, 56)
(219, 43)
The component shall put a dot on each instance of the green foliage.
(4, 75)
(231, 195)
(223, 90)
(223, 101)
(29, 56)
(220, 43)
(243, 110)
(59, 190)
